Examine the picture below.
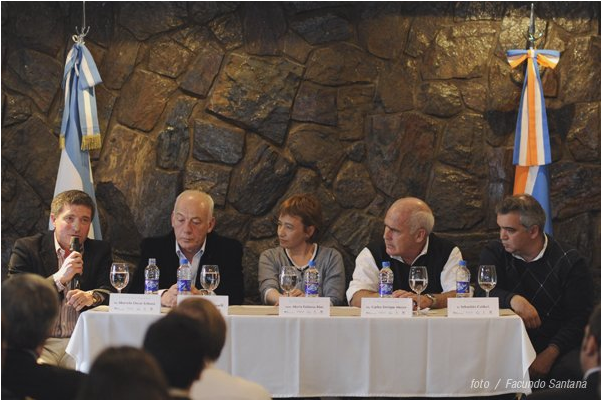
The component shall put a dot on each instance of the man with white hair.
(407, 241)
(192, 238)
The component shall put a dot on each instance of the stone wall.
(359, 103)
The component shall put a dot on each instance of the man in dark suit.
(589, 387)
(30, 306)
(192, 238)
(80, 278)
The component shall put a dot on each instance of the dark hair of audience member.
(30, 307)
(124, 373)
(176, 341)
(211, 320)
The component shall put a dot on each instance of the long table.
(344, 354)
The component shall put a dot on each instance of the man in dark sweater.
(30, 306)
(545, 282)
(192, 238)
(407, 241)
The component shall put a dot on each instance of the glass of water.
(487, 278)
(288, 279)
(119, 276)
(419, 280)
(210, 278)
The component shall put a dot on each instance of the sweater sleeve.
(576, 303)
(267, 272)
(333, 282)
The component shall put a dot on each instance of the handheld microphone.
(75, 246)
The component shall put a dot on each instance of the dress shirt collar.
(539, 255)
(423, 252)
(199, 253)
(591, 372)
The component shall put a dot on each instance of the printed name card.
(387, 307)
(135, 303)
(473, 307)
(220, 301)
(304, 306)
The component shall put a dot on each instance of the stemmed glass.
(487, 278)
(120, 276)
(210, 278)
(288, 279)
(419, 280)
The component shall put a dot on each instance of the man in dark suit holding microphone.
(80, 277)
(192, 238)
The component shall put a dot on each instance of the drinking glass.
(419, 280)
(210, 278)
(288, 279)
(487, 278)
(120, 276)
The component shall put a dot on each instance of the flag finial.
(531, 35)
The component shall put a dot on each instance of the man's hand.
(543, 362)
(79, 299)
(424, 301)
(73, 264)
(526, 311)
(169, 298)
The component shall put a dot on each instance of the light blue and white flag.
(80, 131)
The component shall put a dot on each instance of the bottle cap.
(183, 261)
(386, 264)
(312, 263)
(152, 261)
(462, 263)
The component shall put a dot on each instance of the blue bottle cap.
(312, 263)
(386, 264)
(183, 261)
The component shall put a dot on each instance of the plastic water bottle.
(151, 277)
(312, 280)
(184, 277)
(385, 281)
(462, 280)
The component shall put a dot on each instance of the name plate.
(387, 307)
(220, 301)
(473, 307)
(304, 306)
(135, 303)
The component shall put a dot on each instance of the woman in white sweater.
(299, 222)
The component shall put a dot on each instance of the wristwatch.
(433, 299)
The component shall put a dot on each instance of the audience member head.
(176, 341)
(521, 220)
(408, 223)
(30, 306)
(590, 346)
(211, 321)
(71, 214)
(125, 373)
(299, 220)
(192, 219)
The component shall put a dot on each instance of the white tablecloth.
(431, 356)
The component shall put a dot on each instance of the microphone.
(75, 246)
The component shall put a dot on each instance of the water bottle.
(184, 277)
(385, 281)
(151, 277)
(462, 280)
(312, 280)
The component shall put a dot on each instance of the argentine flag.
(79, 128)
(532, 151)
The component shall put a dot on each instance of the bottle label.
(385, 289)
(151, 286)
(184, 285)
(311, 289)
(462, 287)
